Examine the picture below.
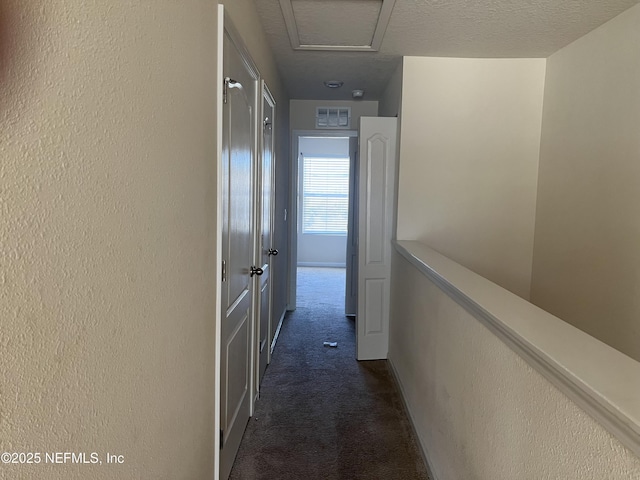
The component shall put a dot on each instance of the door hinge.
(221, 438)
(224, 271)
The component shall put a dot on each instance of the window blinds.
(325, 195)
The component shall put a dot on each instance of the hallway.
(322, 414)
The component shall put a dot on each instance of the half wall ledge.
(604, 382)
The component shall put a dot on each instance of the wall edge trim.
(615, 417)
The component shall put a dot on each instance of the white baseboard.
(277, 334)
(322, 264)
(421, 446)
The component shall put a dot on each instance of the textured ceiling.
(440, 28)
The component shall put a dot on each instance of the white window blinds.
(325, 195)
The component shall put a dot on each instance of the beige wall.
(468, 162)
(480, 411)
(107, 262)
(586, 264)
(245, 18)
(303, 112)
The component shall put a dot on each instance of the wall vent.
(333, 117)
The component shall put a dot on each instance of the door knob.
(256, 271)
(273, 251)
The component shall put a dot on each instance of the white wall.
(244, 15)
(480, 411)
(586, 263)
(108, 208)
(469, 153)
(320, 250)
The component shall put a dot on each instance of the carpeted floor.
(321, 413)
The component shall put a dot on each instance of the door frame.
(225, 23)
(219, 86)
(264, 94)
(238, 41)
(294, 182)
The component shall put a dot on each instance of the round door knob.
(256, 271)
(273, 251)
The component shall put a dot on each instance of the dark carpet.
(322, 414)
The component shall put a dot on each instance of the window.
(325, 195)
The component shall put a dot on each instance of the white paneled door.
(238, 247)
(376, 184)
(267, 250)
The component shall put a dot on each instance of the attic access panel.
(331, 25)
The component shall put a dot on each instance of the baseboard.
(423, 451)
(322, 264)
(277, 334)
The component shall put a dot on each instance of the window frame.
(302, 195)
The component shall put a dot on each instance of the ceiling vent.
(328, 24)
(333, 117)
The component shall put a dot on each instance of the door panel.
(238, 163)
(236, 352)
(373, 317)
(376, 199)
(375, 224)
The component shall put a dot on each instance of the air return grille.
(331, 117)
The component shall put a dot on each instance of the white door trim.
(225, 24)
(219, 85)
(235, 36)
(264, 94)
(292, 214)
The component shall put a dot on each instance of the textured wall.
(586, 263)
(107, 234)
(481, 412)
(469, 150)
(245, 18)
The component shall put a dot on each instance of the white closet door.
(375, 229)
